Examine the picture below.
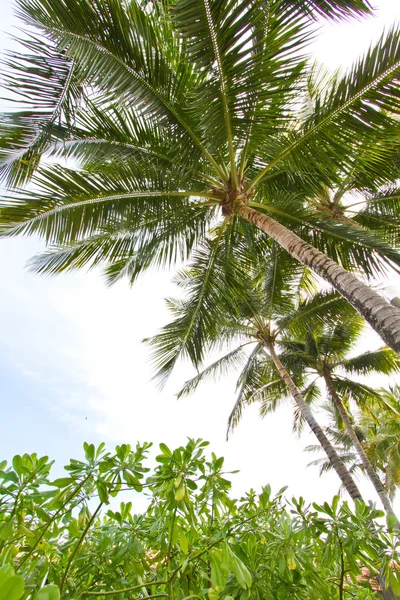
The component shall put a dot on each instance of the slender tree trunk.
(382, 316)
(372, 474)
(306, 413)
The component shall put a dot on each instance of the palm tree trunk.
(382, 316)
(306, 413)
(378, 485)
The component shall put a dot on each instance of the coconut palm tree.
(326, 354)
(378, 430)
(254, 311)
(314, 345)
(175, 112)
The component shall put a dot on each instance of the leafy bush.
(70, 538)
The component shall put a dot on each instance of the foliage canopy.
(193, 541)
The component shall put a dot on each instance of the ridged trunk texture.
(376, 482)
(306, 413)
(382, 316)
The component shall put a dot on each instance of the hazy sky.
(73, 368)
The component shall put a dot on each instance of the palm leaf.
(244, 384)
(74, 203)
(104, 134)
(49, 83)
(318, 309)
(195, 326)
(221, 367)
(361, 393)
(336, 9)
(121, 55)
(352, 247)
(128, 252)
(311, 394)
(384, 361)
(356, 107)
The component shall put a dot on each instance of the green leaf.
(10, 476)
(7, 529)
(265, 496)
(183, 541)
(100, 449)
(180, 492)
(89, 451)
(394, 582)
(17, 464)
(212, 594)
(48, 592)
(391, 521)
(240, 571)
(12, 589)
(192, 485)
(42, 514)
(219, 574)
(102, 491)
(6, 571)
(165, 450)
(62, 482)
(132, 481)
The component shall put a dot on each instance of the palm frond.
(319, 309)
(379, 211)
(195, 327)
(385, 361)
(110, 134)
(127, 252)
(275, 283)
(248, 51)
(221, 367)
(336, 9)
(338, 338)
(47, 81)
(244, 384)
(360, 104)
(122, 54)
(68, 205)
(311, 394)
(361, 393)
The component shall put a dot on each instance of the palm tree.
(255, 311)
(324, 354)
(378, 429)
(175, 111)
(382, 429)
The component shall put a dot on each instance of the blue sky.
(73, 368)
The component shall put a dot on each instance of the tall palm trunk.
(306, 413)
(378, 485)
(382, 316)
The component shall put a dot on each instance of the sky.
(73, 367)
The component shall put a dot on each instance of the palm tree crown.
(180, 110)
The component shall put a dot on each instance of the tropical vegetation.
(80, 535)
(200, 132)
